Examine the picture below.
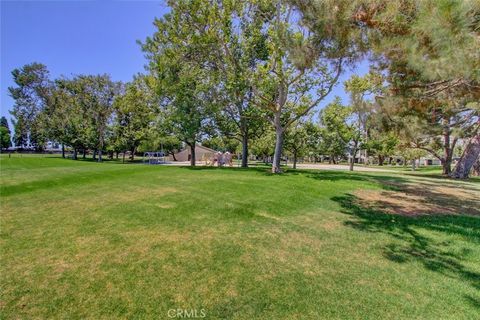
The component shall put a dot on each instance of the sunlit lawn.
(87, 240)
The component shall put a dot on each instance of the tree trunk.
(84, 156)
(294, 160)
(123, 156)
(244, 151)
(352, 158)
(476, 168)
(74, 154)
(192, 155)
(277, 156)
(380, 160)
(95, 154)
(116, 155)
(470, 156)
(173, 156)
(413, 165)
(100, 155)
(446, 166)
(63, 151)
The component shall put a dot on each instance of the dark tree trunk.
(470, 156)
(277, 156)
(173, 156)
(116, 155)
(123, 156)
(294, 160)
(446, 166)
(84, 156)
(74, 154)
(95, 154)
(352, 158)
(245, 151)
(63, 151)
(476, 168)
(100, 155)
(192, 155)
(381, 159)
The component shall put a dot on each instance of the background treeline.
(251, 76)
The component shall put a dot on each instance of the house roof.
(205, 148)
(198, 146)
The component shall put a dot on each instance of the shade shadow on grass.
(386, 181)
(410, 245)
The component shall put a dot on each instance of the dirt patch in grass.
(422, 198)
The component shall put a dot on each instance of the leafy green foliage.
(5, 134)
(135, 112)
(179, 61)
(31, 94)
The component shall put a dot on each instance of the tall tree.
(302, 68)
(134, 113)
(68, 117)
(431, 54)
(179, 55)
(31, 94)
(61, 117)
(85, 103)
(241, 47)
(96, 96)
(428, 49)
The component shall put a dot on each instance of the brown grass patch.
(264, 214)
(422, 198)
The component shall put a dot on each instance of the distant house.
(430, 161)
(201, 153)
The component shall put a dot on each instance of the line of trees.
(252, 75)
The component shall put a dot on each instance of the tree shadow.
(420, 197)
(389, 182)
(473, 301)
(410, 245)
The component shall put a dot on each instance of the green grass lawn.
(86, 240)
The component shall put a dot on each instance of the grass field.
(86, 240)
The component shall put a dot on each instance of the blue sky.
(82, 36)
(72, 37)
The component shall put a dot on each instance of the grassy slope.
(81, 239)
